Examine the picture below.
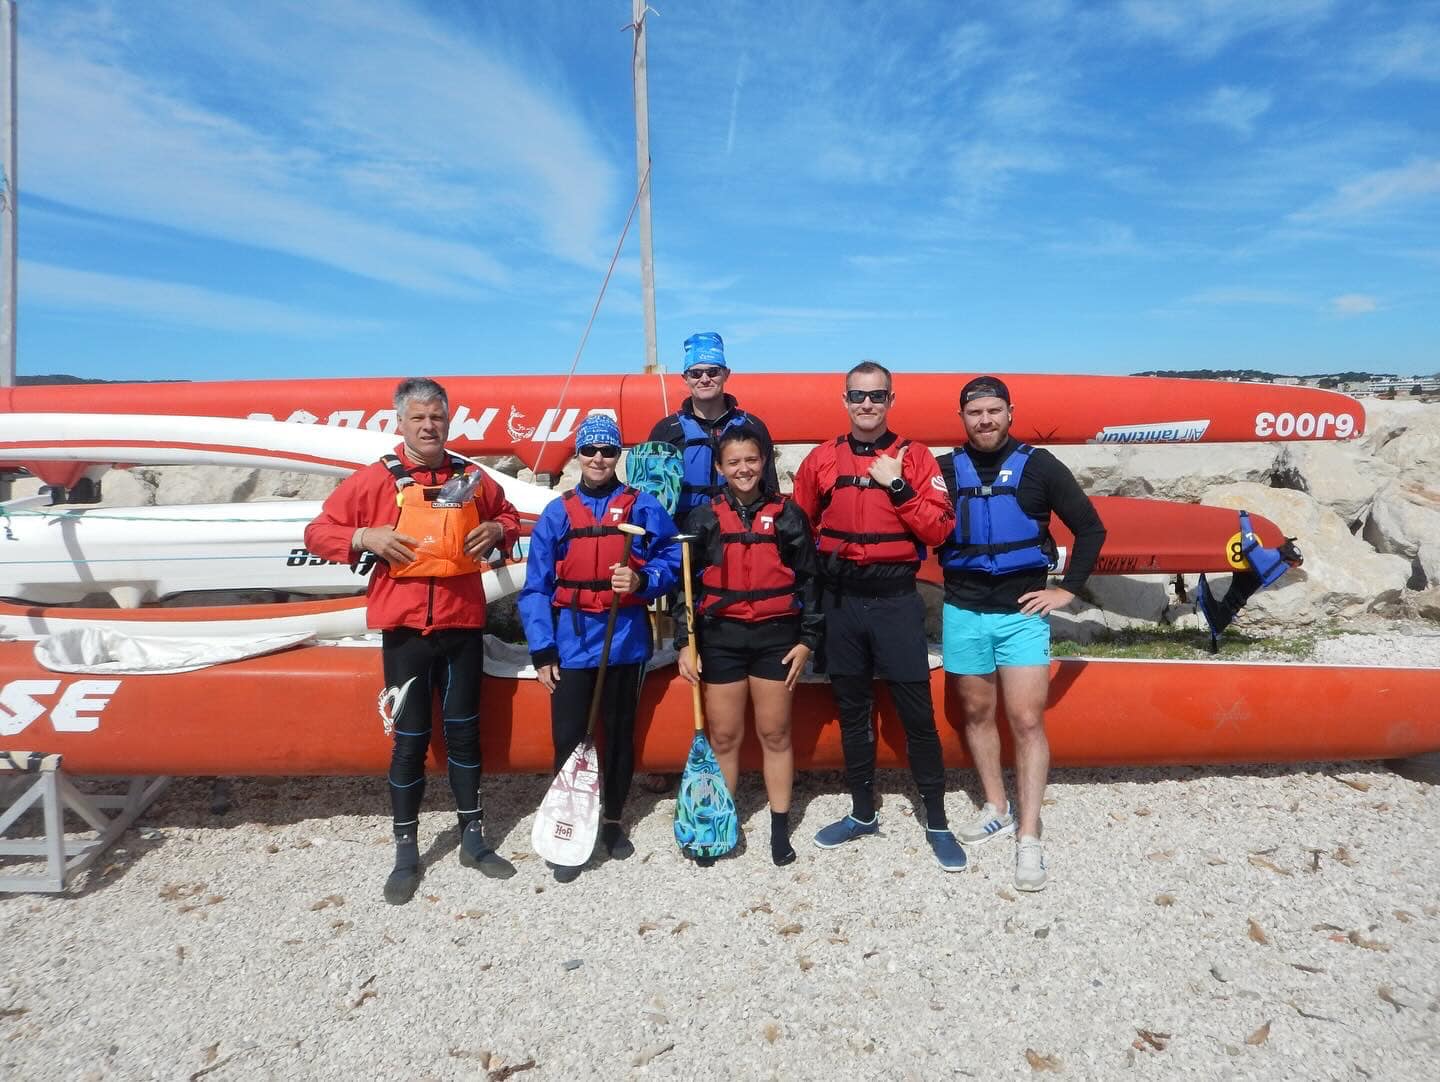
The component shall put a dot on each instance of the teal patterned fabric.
(705, 820)
(656, 468)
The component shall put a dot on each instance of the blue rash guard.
(551, 632)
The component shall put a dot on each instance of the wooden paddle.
(705, 820)
(569, 816)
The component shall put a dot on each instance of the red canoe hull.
(525, 415)
(312, 711)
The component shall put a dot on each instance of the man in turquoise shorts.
(997, 564)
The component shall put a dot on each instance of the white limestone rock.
(1342, 575)
(1185, 472)
(1145, 598)
(1101, 469)
(1405, 520)
(1340, 476)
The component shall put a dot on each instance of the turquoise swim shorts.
(975, 643)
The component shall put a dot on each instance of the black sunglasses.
(855, 396)
(704, 373)
(590, 450)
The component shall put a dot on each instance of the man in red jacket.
(427, 600)
(875, 501)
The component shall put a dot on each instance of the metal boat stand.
(108, 816)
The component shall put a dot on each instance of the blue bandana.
(598, 430)
(705, 348)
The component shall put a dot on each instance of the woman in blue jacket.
(573, 572)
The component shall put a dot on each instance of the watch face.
(897, 484)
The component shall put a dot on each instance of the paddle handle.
(690, 631)
(630, 531)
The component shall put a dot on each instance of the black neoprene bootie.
(405, 876)
(476, 853)
(781, 851)
(616, 844)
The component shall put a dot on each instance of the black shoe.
(566, 873)
(401, 885)
(474, 853)
(616, 843)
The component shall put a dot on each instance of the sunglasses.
(590, 450)
(855, 396)
(704, 373)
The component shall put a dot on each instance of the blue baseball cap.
(705, 347)
(598, 430)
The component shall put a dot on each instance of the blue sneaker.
(845, 830)
(947, 850)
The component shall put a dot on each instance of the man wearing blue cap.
(699, 422)
(573, 571)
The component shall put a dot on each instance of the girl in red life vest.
(757, 621)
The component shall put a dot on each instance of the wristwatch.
(897, 486)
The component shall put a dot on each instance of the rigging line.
(595, 311)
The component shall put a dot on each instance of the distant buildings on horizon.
(1353, 383)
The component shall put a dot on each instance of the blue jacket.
(551, 632)
(993, 534)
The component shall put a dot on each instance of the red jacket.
(367, 498)
(923, 511)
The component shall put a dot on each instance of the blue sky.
(352, 187)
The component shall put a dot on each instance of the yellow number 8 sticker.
(1235, 553)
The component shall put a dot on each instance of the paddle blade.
(705, 820)
(656, 468)
(569, 816)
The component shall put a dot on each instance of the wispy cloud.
(1235, 108)
(353, 139)
(169, 303)
(1244, 295)
(1408, 52)
(1353, 304)
(1377, 193)
(1202, 28)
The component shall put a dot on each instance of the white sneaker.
(988, 824)
(1030, 864)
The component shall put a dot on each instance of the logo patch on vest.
(767, 521)
(616, 513)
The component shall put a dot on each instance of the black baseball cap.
(984, 387)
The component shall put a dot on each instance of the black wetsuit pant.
(884, 637)
(450, 661)
(619, 700)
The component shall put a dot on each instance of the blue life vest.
(701, 482)
(993, 534)
(1268, 564)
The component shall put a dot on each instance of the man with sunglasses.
(573, 571)
(700, 421)
(875, 501)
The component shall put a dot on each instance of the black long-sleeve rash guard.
(1047, 485)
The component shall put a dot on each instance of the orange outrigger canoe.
(312, 711)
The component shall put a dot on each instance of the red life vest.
(750, 582)
(440, 532)
(582, 575)
(857, 520)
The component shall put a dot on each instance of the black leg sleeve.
(922, 746)
(855, 705)
(462, 670)
(407, 662)
(569, 709)
(618, 706)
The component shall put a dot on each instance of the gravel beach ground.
(1267, 922)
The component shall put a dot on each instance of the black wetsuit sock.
(475, 851)
(616, 844)
(863, 800)
(781, 851)
(405, 876)
(935, 818)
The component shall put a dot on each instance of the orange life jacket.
(440, 531)
(750, 582)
